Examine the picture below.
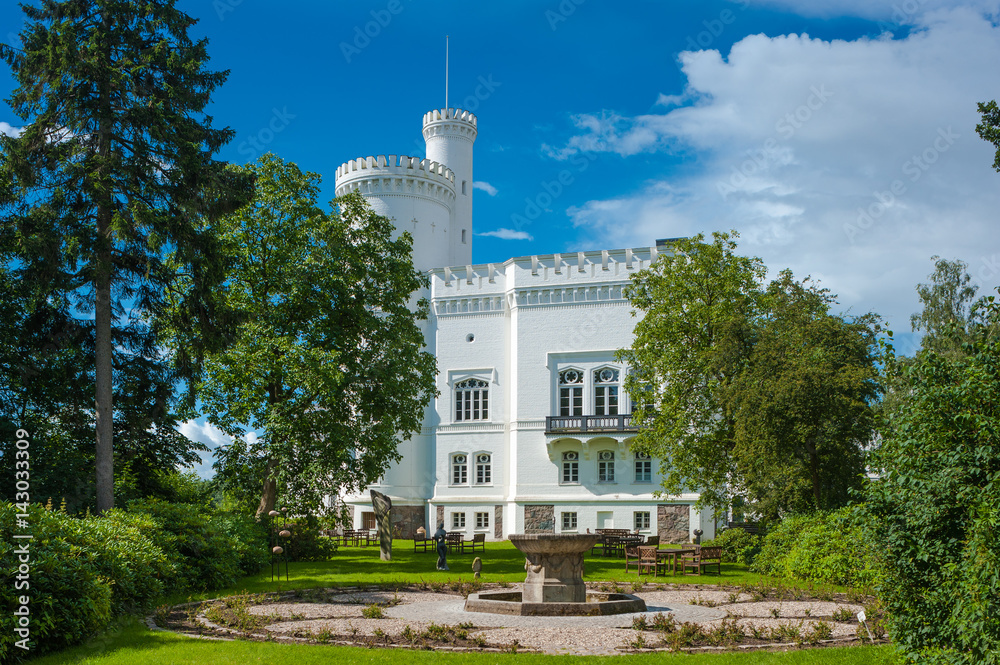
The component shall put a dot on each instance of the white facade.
(531, 430)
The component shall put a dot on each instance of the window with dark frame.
(642, 520)
(459, 469)
(569, 521)
(606, 391)
(484, 469)
(458, 521)
(571, 467)
(482, 520)
(571, 393)
(606, 466)
(643, 468)
(472, 400)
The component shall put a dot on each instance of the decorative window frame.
(612, 389)
(646, 460)
(476, 464)
(572, 379)
(453, 462)
(569, 461)
(457, 376)
(606, 467)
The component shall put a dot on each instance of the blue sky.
(837, 137)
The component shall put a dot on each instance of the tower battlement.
(401, 176)
(382, 165)
(451, 123)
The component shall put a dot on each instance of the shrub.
(203, 554)
(249, 539)
(938, 506)
(737, 545)
(822, 547)
(306, 544)
(69, 599)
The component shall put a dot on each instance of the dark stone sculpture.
(383, 520)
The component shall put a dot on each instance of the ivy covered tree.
(109, 194)
(328, 362)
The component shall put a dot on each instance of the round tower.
(449, 134)
(418, 195)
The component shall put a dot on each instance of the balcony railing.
(559, 424)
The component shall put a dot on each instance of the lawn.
(132, 643)
(359, 566)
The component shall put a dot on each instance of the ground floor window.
(642, 520)
(482, 520)
(458, 520)
(569, 521)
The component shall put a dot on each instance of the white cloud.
(485, 186)
(507, 234)
(796, 138)
(213, 437)
(901, 12)
(10, 130)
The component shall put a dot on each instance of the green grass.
(359, 566)
(133, 644)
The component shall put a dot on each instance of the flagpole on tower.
(446, 72)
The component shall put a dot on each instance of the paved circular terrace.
(341, 614)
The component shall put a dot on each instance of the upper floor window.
(571, 467)
(643, 468)
(484, 469)
(472, 400)
(606, 391)
(459, 469)
(606, 466)
(571, 392)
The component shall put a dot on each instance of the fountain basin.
(597, 603)
(554, 566)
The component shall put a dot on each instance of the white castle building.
(532, 427)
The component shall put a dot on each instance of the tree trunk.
(103, 350)
(104, 347)
(269, 494)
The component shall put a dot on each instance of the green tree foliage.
(937, 502)
(328, 362)
(803, 403)
(112, 173)
(745, 392)
(698, 302)
(989, 128)
(951, 312)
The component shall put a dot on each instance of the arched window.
(571, 467)
(606, 391)
(571, 392)
(459, 469)
(643, 468)
(606, 466)
(472, 400)
(484, 469)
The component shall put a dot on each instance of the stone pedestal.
(554, 566)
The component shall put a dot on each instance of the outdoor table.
(626, 541)
(675, 554)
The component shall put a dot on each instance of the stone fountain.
(554, 585)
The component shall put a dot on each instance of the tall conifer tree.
(109, 193)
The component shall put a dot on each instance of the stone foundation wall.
(438, 520)
(540, 519)
(673, 522)
(498, 522)
(406, 520)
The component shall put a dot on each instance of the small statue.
(441, 538)
(477, 566)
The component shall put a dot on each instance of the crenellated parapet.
(397, 175)
(453, 123)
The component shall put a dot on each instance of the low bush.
(204, 555)
(306, 543)
(737, 545)
(822, 547)
(69, 599)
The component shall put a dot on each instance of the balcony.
(590, 424)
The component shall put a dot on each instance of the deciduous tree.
(328, 362)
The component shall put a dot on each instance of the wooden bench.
(705, 558)
(424, 545)
(478, 542)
